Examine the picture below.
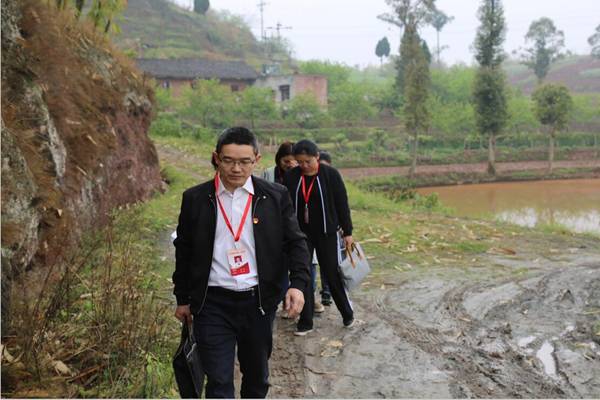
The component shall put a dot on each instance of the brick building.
(286, 87)
(175, 74)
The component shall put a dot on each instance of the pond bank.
(382, 178)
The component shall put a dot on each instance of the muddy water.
(574, 204)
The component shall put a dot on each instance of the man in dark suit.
(233, 235)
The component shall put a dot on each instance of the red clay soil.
(502, 168)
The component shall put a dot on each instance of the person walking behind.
(324, 158)
(319, 196)
(233, 234)
(284, 161)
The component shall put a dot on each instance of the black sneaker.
(349, 323)
(326, 300)
(303, 331)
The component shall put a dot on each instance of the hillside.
(581, 74)
(74, 145)
(160, 29)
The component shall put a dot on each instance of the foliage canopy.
(547, 43)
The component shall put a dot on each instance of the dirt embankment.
(522, 325)
(74, 119)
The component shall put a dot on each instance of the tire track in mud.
(452, 346)
(474, 372)
(485, 357)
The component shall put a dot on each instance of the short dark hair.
(285, 149)
(235, 135)
(324, 156)
(307, 147)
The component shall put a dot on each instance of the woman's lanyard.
(306, 193)
(236, 236)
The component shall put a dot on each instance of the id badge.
(238, 262)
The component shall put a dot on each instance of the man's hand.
(294, 302)
(184, 314)
(348, 241)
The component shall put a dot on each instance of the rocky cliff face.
(75, 116)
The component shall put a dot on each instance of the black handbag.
(189, 373)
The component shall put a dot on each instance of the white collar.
(248, 186)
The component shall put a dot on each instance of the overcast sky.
(348, 30)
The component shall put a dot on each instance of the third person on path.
(319, 196)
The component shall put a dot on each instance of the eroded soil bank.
(507, 325)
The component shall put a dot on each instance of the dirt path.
(518, 325)
(502, 168)
(486, 330)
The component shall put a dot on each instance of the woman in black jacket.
(319, 196)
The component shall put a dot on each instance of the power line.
(278, 27)
(261, 7)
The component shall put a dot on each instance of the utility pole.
(278, 27)
(261, 7)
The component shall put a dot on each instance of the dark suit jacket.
(276, 236)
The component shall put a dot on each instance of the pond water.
(573, 203)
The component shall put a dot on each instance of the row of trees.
(552, 103)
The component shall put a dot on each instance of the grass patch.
(100, 321)
(470, 247)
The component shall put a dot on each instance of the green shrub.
(166, 125)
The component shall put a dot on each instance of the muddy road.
(524, 325)
(504, 324)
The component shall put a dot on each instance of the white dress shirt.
(234, 205)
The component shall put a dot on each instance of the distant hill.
(581, 74)
(160, 29)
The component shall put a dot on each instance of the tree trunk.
(491, 168)
(413, 151)
(551, 151)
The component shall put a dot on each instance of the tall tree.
(438, 20)
(546, 45)
(416, 90)
(412, 78)
(415, 12)
(201, 6)
(594, 41)
(552, 105)
(382, 49)
(489, 88)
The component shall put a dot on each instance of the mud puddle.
(456, 332)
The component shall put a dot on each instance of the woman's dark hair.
(235, 135)
(324, 156)
(307, 147)
(285, 149)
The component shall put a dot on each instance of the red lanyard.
(236, 236)
(305, 193)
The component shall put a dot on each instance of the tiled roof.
(190, 68)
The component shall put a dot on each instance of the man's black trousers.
(229, 318)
